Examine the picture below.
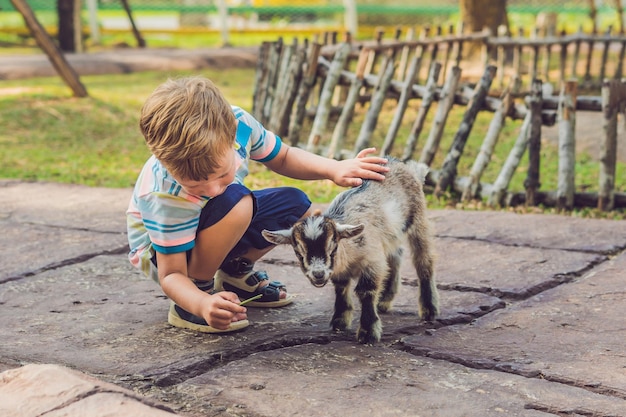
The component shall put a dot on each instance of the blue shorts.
(274, 209)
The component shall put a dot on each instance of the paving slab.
(64, 206)
(573, 334)
(53, 225)
(344, 379)
(534, 230)
(52, 390)
(531, 321)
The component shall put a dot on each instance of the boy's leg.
(231, 216)
(229, 239)
(213, 243)
(229, 228)
(276, 208)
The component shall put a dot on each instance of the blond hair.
(188, 126)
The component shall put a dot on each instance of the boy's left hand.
(352, 172)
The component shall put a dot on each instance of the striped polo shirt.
(162, 217)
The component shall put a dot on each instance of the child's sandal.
(249, 285)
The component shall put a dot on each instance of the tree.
(479, 14)
(55, 55)
(476, 15)
(67, 22)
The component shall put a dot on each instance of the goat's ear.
(277, 237)
(348, 230)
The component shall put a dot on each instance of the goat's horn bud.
(317, 212)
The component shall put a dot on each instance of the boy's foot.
(178, 317)
(237, 276)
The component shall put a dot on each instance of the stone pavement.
(532, 324)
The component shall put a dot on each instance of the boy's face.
(217, 182)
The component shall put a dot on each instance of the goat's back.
(394, 203)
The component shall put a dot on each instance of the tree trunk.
(477, 15)
(56, 57)
(65, 11)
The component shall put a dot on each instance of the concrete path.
(532, 324)
(122, 61)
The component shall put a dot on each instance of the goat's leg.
(392, 282)
(342, 317)
(370, 328)
(423, 261)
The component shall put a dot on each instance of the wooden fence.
(316, 88)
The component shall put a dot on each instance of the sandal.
(178, 317)
(248, 284)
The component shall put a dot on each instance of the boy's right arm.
(219, 310)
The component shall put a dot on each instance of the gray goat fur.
(360, 237)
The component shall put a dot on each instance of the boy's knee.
(299, 199)
(245, 207)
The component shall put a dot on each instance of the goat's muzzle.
(318, 278)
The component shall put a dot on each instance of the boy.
(192, 224)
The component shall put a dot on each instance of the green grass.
(48, 135)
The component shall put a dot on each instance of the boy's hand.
(222, 308)
(352, 172)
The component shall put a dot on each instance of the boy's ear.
(278, 237)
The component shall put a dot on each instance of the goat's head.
(315, 241)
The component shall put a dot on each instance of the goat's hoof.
(367, 338)
(384, 306)
(429, 316)
(339, 326)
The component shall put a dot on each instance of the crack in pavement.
(66, 262)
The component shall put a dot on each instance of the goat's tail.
(419, 169)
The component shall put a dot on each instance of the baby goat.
(360, 237)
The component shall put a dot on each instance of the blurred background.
(211, 23)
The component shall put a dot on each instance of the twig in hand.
(256, 297)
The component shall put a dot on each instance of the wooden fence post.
(489, 143)
(279, 120)
(605, 53)
(613, 93)
(547, 55)
(620, 61)
(562, 60)
(339, 134)
(567, 146)
(501, 52)
(272, 76)
(373, 53)
(404, 55)
(449, 168)
(298, 112)
(518, 56)
(260, 81)
(577, 43)
(447, 57)
(420, 119)
(587, 77)
(376, 105)
(531, 183)
(323, 109)
(446, 101)
(403, 101)
(510, 165)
